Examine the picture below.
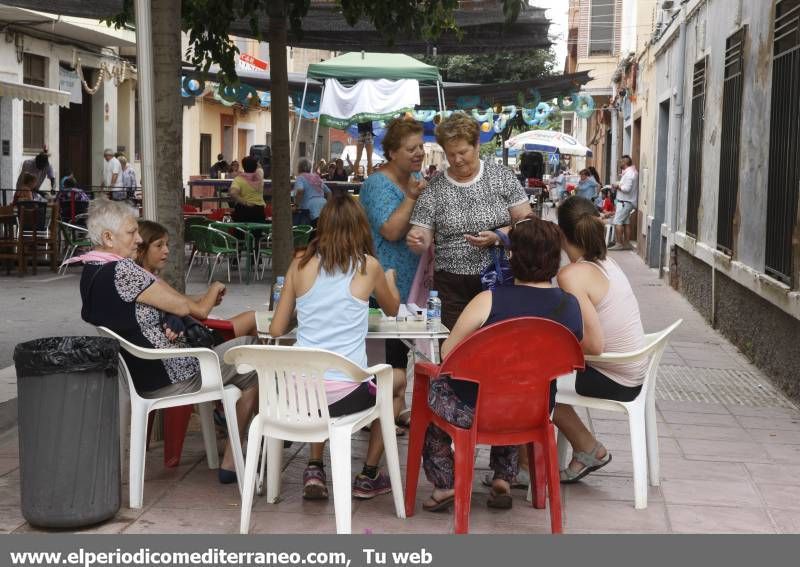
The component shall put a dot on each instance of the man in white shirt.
(112, 175)
(627, 200)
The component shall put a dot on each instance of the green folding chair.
(75, 237)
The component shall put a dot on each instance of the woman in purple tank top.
(535, 256)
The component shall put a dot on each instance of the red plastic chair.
(190, 209)
(513, 362)
(176, 420)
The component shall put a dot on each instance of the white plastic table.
(380, 327)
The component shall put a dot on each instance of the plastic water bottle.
(277, 289)
(434, 315)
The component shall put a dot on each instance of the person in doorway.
(627, 199)
(112, 176)
(41, 169)
(220, 167)
(365, 141)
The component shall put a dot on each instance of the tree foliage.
(207, 22)
(495, 67)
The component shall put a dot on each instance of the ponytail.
(590, 237)
(581, 224)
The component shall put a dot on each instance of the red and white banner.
(249, 63)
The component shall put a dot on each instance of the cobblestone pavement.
(730, 446)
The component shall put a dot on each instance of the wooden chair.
(10, 246)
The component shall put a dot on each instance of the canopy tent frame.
(392, 66)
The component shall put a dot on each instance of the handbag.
(498, 273)
(194, 332)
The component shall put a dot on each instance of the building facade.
(212, 126)
(42, 51)
(721, 144)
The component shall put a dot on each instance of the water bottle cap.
(434, 293)
(280, 279)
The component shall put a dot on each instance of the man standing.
(112, 175)
(40, 168)
(218, 168)
(627, 199)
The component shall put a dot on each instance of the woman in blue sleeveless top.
(330, 284)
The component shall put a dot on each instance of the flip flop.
(590, 464)
(499, 500)
(439, 505)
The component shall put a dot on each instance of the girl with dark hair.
(152, 255)
(535, 256)
(330, 283)
(611, 323)
(247, 192)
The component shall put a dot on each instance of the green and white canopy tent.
(362, 86)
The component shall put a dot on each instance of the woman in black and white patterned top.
(119, 294)
(459, 212)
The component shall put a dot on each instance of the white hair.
(107, 215)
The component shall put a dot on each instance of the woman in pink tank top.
(611, 323)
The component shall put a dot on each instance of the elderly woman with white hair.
(119, 294)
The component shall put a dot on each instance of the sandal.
(522, 480)
(499, 500)
(403, 419)
(439, 505)
(314, 483)
(590, 463)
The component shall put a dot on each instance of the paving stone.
(787, 521)
(781, 496)
(710, 432)
(711, 492)
(695, 418)
(617, 516)
(674, 467)
(716, 519)
(181, 521)
(759, 422)
(736, 451)
(774, 474)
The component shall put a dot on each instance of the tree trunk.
(282, 243)
(166, 23)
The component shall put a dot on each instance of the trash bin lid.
(50, 355)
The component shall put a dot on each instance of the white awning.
(34, 94)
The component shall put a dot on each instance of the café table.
(405, 328)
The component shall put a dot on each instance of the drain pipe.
(676, 179)
(681, 66)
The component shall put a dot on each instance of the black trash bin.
(68, 430)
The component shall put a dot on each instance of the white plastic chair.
(641, 411)
(211, 389)
(293, 407)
